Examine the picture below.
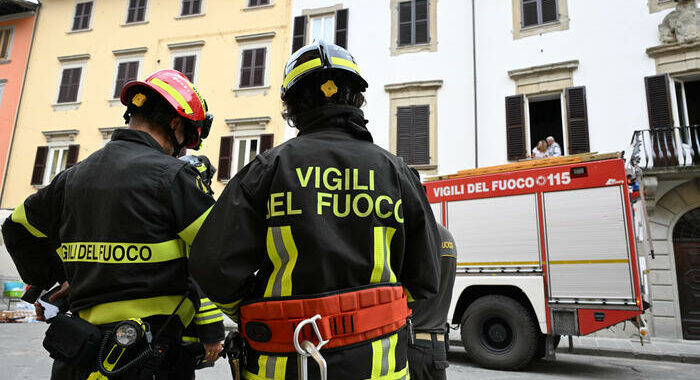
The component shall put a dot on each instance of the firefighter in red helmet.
(121, 221)
(322, 239)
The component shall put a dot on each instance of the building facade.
(17, 20)
(84, 52)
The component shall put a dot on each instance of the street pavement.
(23, 357)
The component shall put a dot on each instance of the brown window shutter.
(299, 36)
(659, 101)
(405, 23)
(87, 10)
(259, 67)
(421, 22)
(404, 126)
(341, 28)
(549, 11)
(421, 135)
(247, 68)
(225, 153)
(39, 165)
(515, 127)
(72, 159)
(577, 120)
(267, 141)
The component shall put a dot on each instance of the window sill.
(39, 187)
(533, 30)
(224, 181)
(424, 166)
(115, 102)
(256, 7)
(189, 16)
(66, 106)
(134, 23)
(414, 48)
(251, 91)
(79, 31)
(4, 61)
(544, 25)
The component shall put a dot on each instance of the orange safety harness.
(347, 317)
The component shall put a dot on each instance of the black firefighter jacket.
(117, 226)
(327, 210)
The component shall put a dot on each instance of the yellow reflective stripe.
(139, 308)
(208, 321)
(108, 366)
(173, 92)
(611, 261)
(283, 254)
(401, 375)
(392, 352)
(376, 359)
(207, 313)
(230, 309)
(346, 63)
(190, 232)
(409, 296)
(382, 256)
(190, 339)
(384, 359)
(20, 216)
(301, 69)
(262, 365)
(201, 100)
(122, 253)
(207, 307)
(280, 368)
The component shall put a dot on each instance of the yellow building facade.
(84, 51)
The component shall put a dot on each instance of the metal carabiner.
(306, 349)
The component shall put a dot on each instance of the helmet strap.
(177, 146)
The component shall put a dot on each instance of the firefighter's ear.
(175, 123)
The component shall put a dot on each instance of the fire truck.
(545, 248)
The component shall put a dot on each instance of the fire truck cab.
(545, 248)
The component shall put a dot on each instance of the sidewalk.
(658, 349)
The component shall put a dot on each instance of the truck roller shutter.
(577, 120)
(225, 152)
(72, 159)
(515, 127)
(341, 28)
(39, 165)
(299, 35)
(266, 142)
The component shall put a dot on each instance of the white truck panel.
(437, 212)
(587, 246)
(501, 231)
(532, 286)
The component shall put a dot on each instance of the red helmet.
(181, 94)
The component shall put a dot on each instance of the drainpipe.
(476, 110)
(19, 103)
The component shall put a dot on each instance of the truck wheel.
(499, 333)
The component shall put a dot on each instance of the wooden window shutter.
(266, 142)
(421, 22)
(225, 155)
(515, 127)
(405, 23)
(421, 135)
(659, 101)
(39, 165)
(341, 28)
(577, 120)
(259, 67)
(73, 151)
(549, 11)
(530, 14)
(404, 126)
(299, 35)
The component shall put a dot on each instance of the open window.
(329, 24)
(57, 155)
(248, 139)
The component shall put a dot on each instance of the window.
(413, 134)
(5, 43)
(247, 141)
(70, 85)
(534, 17)
(186, 64)
(253, 68)
(413, 22)
(538, 12)
(413, 123)
(59, 154)
(136, 12)
(83, 13)
(191, 7)
(126, 72)
(327, 24)
(2, 89)
(257, 3)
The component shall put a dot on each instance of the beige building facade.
(84, 51)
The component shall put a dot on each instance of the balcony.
(663, 149)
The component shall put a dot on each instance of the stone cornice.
(674, 48)
(186, 45)
(419, 85)
(543, 69)
(248, 123)
(68, 134)
(75, 57)
(138, 50)
(256, 36)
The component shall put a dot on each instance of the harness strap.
(349, 317)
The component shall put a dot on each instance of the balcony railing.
(666, 147)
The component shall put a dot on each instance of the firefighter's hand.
(60, 293)
(39, 310)
(213, 350)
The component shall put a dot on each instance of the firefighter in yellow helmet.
(326, 230)
(121, 222)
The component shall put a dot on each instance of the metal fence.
(666, 147)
